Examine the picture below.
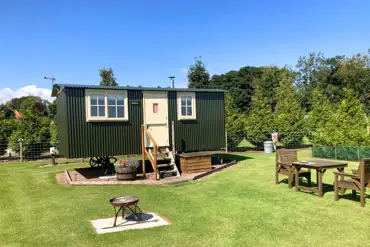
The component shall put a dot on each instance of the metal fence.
(242, 143)
(24, 151)
(340, 153)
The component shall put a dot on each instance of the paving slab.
(150, 220)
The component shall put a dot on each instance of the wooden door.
(156, 117)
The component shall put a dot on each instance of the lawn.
(240, 206)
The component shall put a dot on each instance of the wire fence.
(340, 153)
(243, 143)
(27, 151)
(24, 151)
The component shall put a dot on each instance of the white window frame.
(105, 93)
(193, 106)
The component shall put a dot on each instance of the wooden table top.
(321, 164)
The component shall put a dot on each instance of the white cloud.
(7, 94)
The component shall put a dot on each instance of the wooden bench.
(195, 162)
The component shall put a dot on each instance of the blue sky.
(147, 41)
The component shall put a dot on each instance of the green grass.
(240, 206)
(306, 141)
(246, 144)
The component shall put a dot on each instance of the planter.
(126, 173)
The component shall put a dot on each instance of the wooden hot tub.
(195, 162)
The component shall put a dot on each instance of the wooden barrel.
(126, 173)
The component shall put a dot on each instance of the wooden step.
(167, 173)
(164, 165)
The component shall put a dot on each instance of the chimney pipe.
(172, 81)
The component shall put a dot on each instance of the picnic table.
(320, 166)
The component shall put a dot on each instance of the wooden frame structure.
(357, 182)
(153, 159)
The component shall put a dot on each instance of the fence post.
(21, 149)
(335, 153)
(313, 150)
(358, 153)
(226, 150)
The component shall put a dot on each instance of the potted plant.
(126, 170)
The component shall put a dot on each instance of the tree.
(347, 127)
(235, 123)
(290, 122)
(6, 128)
(52, 109)
(107, 77)
(317, 71)
(53, 133)
(268, 83)
(198, 75)
(239, 85)
(322, 111)
(35, 132)
(260, 120)
(355, 74)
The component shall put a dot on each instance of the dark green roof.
(58, 87)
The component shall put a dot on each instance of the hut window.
(106, 105)
(186, 105)
(97, 105)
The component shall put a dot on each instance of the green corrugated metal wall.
(205, 133)
(88, 139)
(79, 138)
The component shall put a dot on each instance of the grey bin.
(267, 147)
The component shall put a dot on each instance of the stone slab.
(129, 223)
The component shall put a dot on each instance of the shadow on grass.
(231, 157)
(348, 196)
(326, 187)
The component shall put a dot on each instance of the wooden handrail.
(153, 160)
(151, 137)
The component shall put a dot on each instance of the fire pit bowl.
(126, 202)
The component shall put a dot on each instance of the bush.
(346, 127)
(34, 131)
(6, 128)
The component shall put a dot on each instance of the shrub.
(34, 131)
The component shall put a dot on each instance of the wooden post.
(155, 161)
(21, 149)
(226, 150)
(173, 139)
(143, 150)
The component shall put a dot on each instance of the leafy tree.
(322, 111)
(235, 123)
(268, 83)
(6, 112)
(239, 85)
(260, 120)
(32, 104)
(53, 133)
(52, 109)
(198, 75)
(6, 129)
(35, 132)
(317, 71)
(107, 77)
(290, 122)
(347, 127)
(355, 74)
